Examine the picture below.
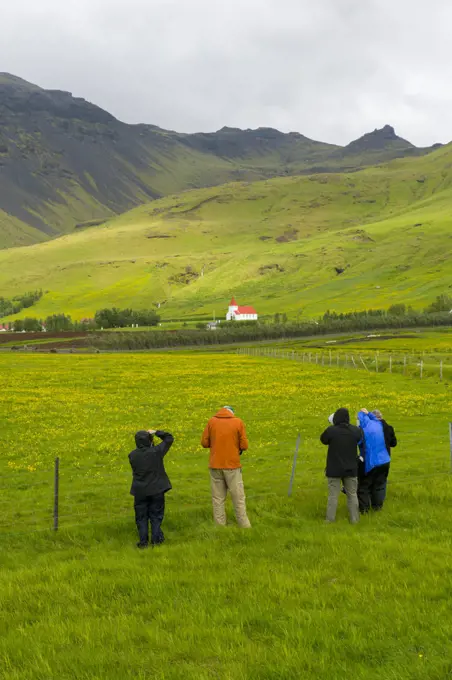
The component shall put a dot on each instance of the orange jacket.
(225, 436)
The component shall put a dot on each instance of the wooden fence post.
(56, 490)
(450, 439)
(294, 464)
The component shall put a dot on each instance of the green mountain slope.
(277, 244)
(65, 161)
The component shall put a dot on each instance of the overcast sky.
(330, 69)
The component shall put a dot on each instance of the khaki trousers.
(334, 490)
(221, 481)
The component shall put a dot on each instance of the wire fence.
(410, 365)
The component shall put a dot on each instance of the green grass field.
(409, 346)
(292, 598)
(409, 341)
(273, 244)
(416, 341)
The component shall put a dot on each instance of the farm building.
(240, 313)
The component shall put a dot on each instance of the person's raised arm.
(363, 418)
(165, 444)
(205, 439)
(325, 437)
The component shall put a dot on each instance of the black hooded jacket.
(389, 435)
(149, 476)
(342, 440)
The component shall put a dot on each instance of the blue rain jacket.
(375, 451)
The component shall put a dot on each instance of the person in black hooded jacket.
(342, 440)
(149, 484)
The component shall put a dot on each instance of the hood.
(224, 413)
(341, 417)
(143, 439)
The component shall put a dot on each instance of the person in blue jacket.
(379, 437)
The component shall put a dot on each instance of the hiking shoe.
(141, 546)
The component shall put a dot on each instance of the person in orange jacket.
(225, 436)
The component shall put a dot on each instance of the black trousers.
(150, 510)
(372, 488)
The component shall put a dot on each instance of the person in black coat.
(388, 431)
(149, 484)
(342, 440)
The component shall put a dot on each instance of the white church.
(240, 313)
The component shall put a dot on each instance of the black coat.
(342, 458)
(389, 435)
(149, 476)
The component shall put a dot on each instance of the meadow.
(414, 353)
(415, 342)
(292, 598)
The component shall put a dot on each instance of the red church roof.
(233, 303)
(245, 310)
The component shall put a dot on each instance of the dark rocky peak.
(382, 138)
(18, 97)
(298, 135)
(386, 132)
(267, 133)
(232, 142)
(8, 80)
(228, 130)
(261, 132)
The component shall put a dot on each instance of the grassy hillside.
(15, 232)
(275, 244)
(65, 161)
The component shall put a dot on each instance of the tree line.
(238, 332)
(442, 303)
(104, 318)
(18, 303)
(396, 316)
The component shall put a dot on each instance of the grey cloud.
(331, 69)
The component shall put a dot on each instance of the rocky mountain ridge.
(65, 161)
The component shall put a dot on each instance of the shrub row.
(236, 332)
